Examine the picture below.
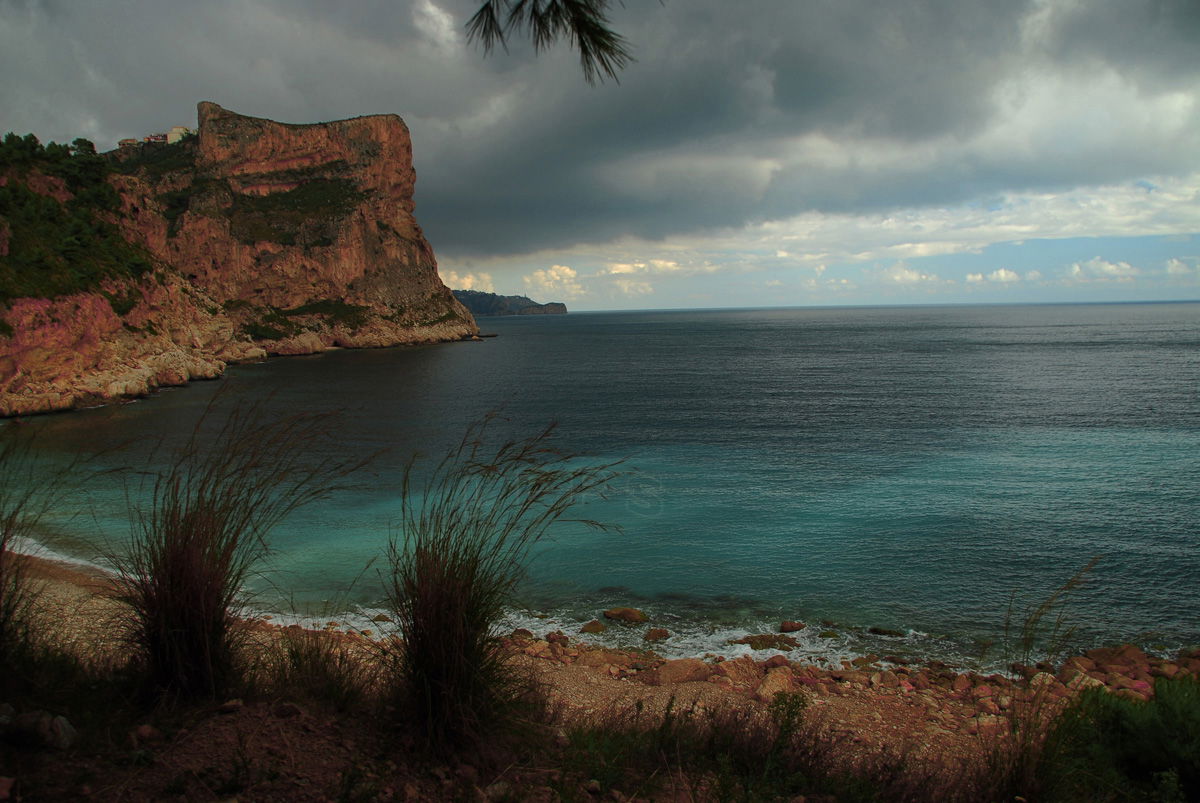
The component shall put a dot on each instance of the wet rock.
(627, 615)
(768, 641)
(381, 618)
(594, 626)
(656, 634)
(884, 631)
(790, 626)
(828, 634)
(774, 661)
(522, 633)
(557, 637)
(961, 684)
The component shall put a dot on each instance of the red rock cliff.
(268, 238)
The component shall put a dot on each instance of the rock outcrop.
(262, 238)
(480, 303)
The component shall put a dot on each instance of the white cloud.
(467, 281)
(657, 266)
(1177, 267)
(436, 25)
(634, 287)
(555, 283)
(1003, 275)
(1097, 269)
(1033, 276)
(901, 273)
(974, 278)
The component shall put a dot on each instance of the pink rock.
(777, 681)
(683, 670)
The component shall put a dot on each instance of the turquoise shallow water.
(902, 468)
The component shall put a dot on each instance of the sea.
(910, 482)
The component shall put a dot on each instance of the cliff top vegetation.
(64, 242)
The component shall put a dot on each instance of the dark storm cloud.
(1153, 41)
(733, 112)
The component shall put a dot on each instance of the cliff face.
(264, 238)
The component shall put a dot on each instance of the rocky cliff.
(251, 238)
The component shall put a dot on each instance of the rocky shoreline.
(931, 698)
(868, 709)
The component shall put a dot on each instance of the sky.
(757, 153)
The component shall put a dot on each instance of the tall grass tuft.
(463, 540)
(1012, 763)
(28, 492)
(21, 506)
(202, 535)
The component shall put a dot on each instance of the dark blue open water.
(905, 468)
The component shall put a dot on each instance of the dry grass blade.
(464, 538)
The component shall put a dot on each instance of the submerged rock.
(627, 615)
(768, 641)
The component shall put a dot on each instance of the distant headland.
(480, 303)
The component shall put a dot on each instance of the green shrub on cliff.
(158, 159)
(59, 248)
(305, 215)
(464, 536)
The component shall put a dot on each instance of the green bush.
(335, 311)
(1104, 747)
(158, 159)
(461, 548)
(305, 215)
(60, 248)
